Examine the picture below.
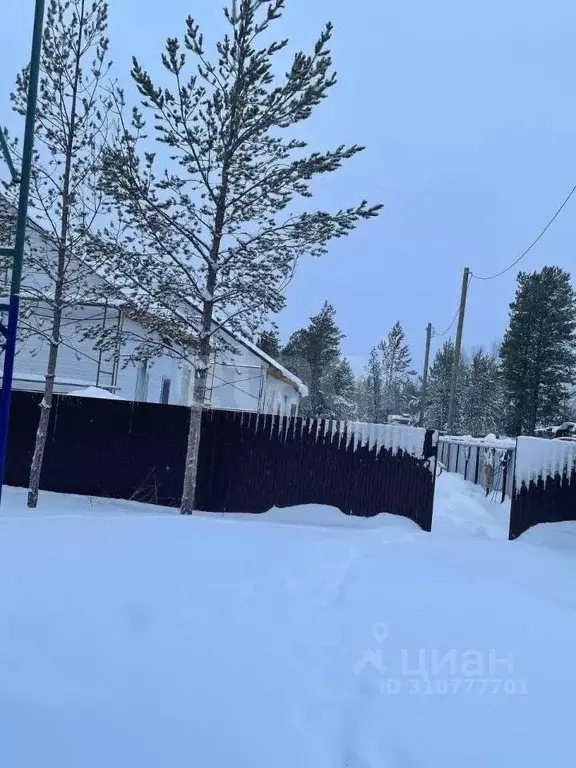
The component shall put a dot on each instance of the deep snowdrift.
(133, 637)
(463, 508)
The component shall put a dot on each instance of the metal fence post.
(9, 331)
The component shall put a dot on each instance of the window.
(165, 390)
(142, 379)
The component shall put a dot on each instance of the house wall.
(238, 378)
(160, 368)
(33, 277)
(280, 397)
(78, 362)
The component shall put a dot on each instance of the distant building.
(403, 418)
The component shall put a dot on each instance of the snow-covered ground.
(130, 636)
(461, 507)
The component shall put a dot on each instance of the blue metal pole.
(14, 303)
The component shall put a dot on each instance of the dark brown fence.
(545, 484)
(109, 448)
(248, 463)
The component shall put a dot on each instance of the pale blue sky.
(467, 111)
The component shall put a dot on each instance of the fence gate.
(466, 457)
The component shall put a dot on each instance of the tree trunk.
(41, 434)
(188, 502)
(193, 447)
(45, 408)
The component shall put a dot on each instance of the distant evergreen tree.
(371, 397)
(313, 354)
(482, 396)
(344, 400)
(396, 360)
(269, 343)
(412, 394)
(362, 399)
(538, 352)
(439, 388)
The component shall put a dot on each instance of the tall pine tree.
(538, 352)
(205, 216)
(313, 353)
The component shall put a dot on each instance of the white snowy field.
(130, 636)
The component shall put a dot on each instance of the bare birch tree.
(72, 123)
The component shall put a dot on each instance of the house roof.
(298, 383)
(286, 374)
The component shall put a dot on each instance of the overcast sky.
(467, 111)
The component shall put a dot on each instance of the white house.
(242, 378)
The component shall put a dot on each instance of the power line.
(533, 243)
(435, 332)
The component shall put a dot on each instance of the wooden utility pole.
(424, 392)
(457, 349)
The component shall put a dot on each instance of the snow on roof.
(95, 392)
(298, 383)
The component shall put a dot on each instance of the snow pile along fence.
(545, 483)
(487, 462)
(248, 462)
